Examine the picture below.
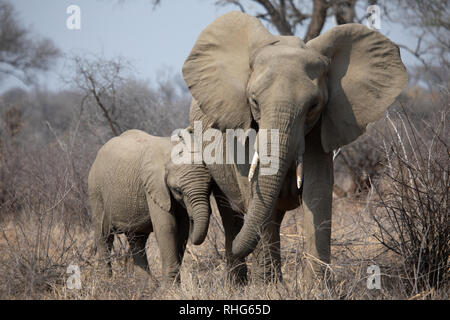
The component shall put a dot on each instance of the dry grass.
(34, 266)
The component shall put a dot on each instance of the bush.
(412, 216)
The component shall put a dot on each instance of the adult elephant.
(319, 96)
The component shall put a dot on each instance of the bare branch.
(233, 2)
(318, 19)
(96, 95)
(277, 17)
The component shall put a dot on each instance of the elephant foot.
(268, 275)
(170, 283)
(317, 274)
(140, 272)
(104, 266)
(171, 279)
(237, 275)
(266, 268)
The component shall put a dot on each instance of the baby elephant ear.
(153, 178)
(365, 76)
(218, 68)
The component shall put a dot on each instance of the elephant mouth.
(191, 227)
(298, 167)
(299, 170)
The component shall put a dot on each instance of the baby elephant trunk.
(196, 187)
(201, 211)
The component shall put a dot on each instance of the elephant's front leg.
(267, 255)
(232, 222)
(165, 228)
(317, 205)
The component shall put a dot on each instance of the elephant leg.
(103, 237)
(232, 221)
(138, 250)
(182, 221)
(317, 205)
(165, 228)
(104, 248)
(267, 255)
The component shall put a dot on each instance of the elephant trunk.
(201, 214)
(266, 188)
(199, 210)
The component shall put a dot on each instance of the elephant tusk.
(299, 171)
(253, 166)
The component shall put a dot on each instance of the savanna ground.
(203, 270)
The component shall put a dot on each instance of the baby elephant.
(135, 188)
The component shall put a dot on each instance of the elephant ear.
(365, 76)
(153, 177)
(218, 68)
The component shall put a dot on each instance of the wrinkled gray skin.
(134, 188)
(320, 96)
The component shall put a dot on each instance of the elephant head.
(242, 76)
(189, 184)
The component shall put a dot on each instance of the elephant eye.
(255, 110)
(314, 106)
(177, 191)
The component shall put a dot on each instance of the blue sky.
(150, 39)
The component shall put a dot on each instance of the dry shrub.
(413, 216)
(36, 251)
(44, 226)
(44, 223)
